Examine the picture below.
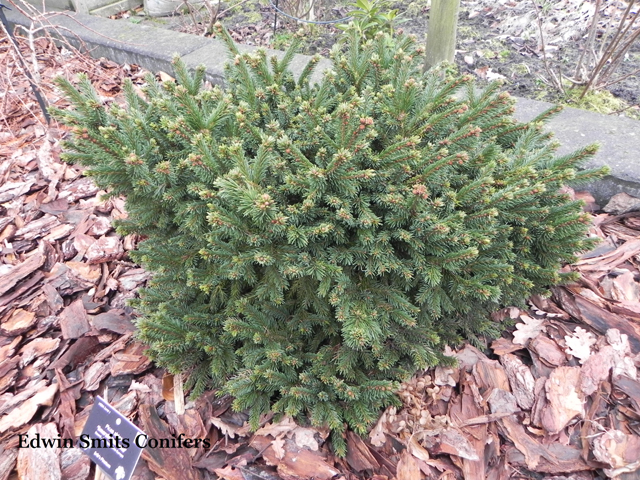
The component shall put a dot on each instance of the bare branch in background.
(607, 43)
(614, 51)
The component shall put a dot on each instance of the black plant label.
(111, 441)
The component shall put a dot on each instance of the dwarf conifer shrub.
(312, 245)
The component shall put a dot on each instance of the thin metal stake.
(275, 20)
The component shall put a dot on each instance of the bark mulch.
(557, 397)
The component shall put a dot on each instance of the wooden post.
(441, 37)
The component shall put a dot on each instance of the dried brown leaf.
(377, 435)
(623, 363)
(278, 448)
(530, 328)
(305, 438)
(446, 376)
(229, 473)
(579, 344)
(276, 429)
(231, 430)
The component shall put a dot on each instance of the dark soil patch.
(521, 62)
(497, 40)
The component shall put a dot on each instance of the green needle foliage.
(314, 244)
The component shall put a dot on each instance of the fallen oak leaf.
(230, 472)
(305, 437)
(579, 344)
(446, 376)
(278, 448)
(531, 328)
(616, 355)
(623, 364)
(275, 429)
(231, 430)
(377, 435)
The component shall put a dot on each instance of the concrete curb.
(618, 137)
(150, 47)
(153, 48)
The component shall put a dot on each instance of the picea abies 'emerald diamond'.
(314, 244)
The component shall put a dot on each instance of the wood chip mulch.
(557, 397)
